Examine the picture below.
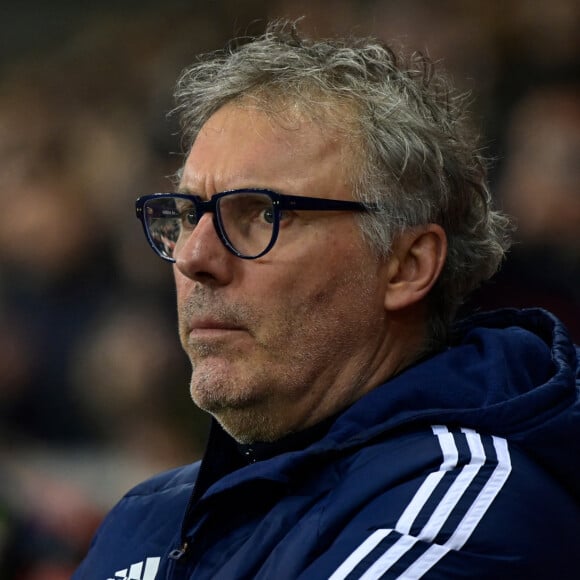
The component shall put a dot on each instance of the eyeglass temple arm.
(321, 204)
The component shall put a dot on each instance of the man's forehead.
(245, 146)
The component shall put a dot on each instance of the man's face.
(286, 340)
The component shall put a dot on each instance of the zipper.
(185, 548)
(196, 493)
(179, 552)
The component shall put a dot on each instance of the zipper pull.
(179, 552)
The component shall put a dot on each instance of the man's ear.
(416, 260)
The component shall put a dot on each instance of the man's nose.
(203, 257)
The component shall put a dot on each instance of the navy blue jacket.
(466, 465)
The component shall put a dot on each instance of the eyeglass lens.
(247, 222)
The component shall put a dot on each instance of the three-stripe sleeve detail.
(443, 513)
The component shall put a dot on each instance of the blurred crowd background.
(93, 383)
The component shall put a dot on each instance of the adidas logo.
(146, 570)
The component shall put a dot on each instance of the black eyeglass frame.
(280, 202)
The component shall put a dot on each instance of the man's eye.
(268, 215)
(188, 216)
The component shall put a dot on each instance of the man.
(332, 213)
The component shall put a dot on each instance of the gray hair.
(412, 153)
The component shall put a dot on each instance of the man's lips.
(212, 326)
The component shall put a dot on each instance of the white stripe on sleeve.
(441, 512)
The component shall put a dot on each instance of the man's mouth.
(208, 326)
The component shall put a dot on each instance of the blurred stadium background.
(93, 384)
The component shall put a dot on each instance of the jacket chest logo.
(144, 570)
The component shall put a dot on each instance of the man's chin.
(217, 398)
(247, 414)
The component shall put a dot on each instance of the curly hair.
(413, 154)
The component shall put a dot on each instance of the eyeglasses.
(247, 221)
